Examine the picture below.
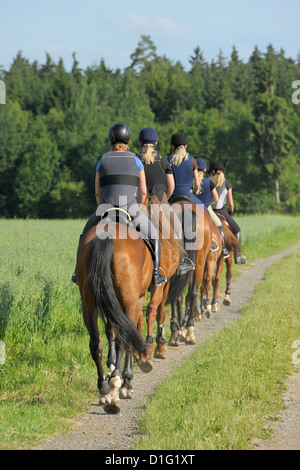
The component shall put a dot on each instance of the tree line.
(54, 125)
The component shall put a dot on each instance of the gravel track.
(100, 431)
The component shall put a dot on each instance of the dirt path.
(97, 430)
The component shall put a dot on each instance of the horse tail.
(231, 240)
(100, 281)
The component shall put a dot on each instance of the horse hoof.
(174, 343)
(146, 366)
(190, 337)
(159, 355)
(226, 301)
(113, 408)
(207, 314)
(126, 394)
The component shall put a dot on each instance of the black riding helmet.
(216, 166)
(119, 133)
(178, 139)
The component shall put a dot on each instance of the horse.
(162, 217)
(233, 246)
(183, 324)
(213, 270)
(114, 270)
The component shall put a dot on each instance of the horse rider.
(159, 175)
(185, 169)
(120, 182)
(159, 178)
(208, 195)
(224, 190)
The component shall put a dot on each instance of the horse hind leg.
(112, 399)
(174, 327)
(126, 391)
(227, 300)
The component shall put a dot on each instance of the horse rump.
(100, 282)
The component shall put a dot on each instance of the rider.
(184, 168)
(159, 177)
(120, 182)
(208, 195)
(224, 189)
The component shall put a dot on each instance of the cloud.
(157, 23)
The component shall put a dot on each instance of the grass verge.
(222, 396)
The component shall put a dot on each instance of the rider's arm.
(230, 200)
(215, 196)
(196, 185)
(170, 184)
(142, 188)
(97, 188)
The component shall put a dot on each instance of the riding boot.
(238, 258)
(224, 249)
(185, 264)
(158, 278)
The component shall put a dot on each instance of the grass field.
(48, 377)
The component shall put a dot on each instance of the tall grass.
(49, 376)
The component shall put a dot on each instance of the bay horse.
(213, 270)
(114, 270)
(162, 217)
(183, 324)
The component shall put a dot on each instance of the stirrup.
(159, 279)
(225, 253)
(214, 246)
(185, 268)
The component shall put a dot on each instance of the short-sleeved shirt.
(222, 193)
(207, 185)
(156, 175)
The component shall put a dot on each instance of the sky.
(111, 29)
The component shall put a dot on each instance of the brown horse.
(184, 324)
(233, 246)
(213, 270)
(162, 217)
(114, 270)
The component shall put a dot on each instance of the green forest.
(54, 125)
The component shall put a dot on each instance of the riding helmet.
(201, 164)
(119, 133)
(148, 135)
(178, 139)
(216, 166)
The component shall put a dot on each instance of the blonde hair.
(218, 178)
(148, 153)
(201, 177)
(179, 155)
(120, 146)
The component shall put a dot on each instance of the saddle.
(175, 198)
(121, 216)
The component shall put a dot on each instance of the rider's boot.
(225, 251)
(158, 278)
(238, 258)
